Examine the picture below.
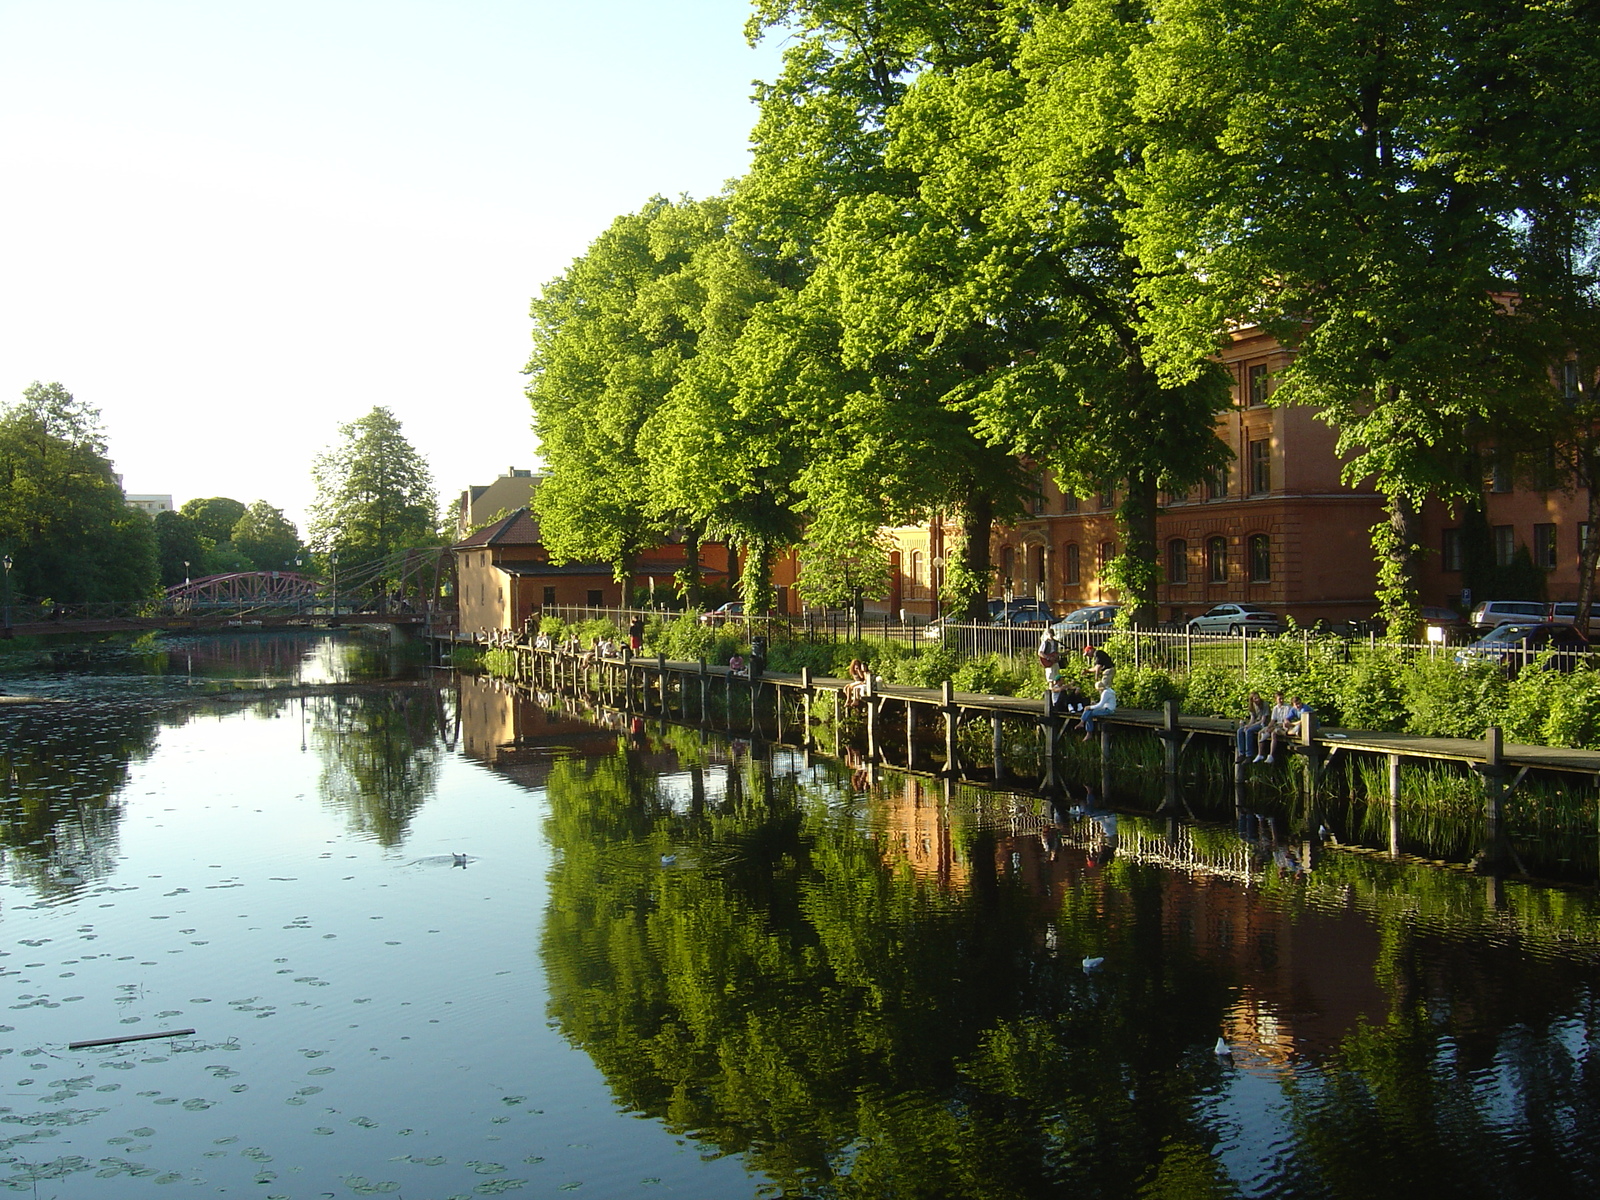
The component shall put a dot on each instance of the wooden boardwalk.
(692, 683)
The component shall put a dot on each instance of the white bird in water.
(460, 860)
(1222, 1050)
(1092, 964)
(668, 859)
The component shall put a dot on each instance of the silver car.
(1236, 619)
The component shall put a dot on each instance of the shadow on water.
(873, 983)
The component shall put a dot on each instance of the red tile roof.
(519, 529)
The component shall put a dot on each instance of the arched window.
(1217, 560)
(1008, 565)
(1074, 568)
(1178, 561)
(1260, 558)
(1036, 570)
(916, 574)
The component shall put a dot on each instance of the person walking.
(636, 634)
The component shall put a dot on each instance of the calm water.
(673, 965)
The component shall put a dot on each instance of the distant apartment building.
(480, 504)
(150, 504)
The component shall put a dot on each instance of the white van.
(1493, 613)
(1565, 612)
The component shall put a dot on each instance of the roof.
(544, 568)
(519, 529)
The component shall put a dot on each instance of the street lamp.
(186, 572)
(6, 562)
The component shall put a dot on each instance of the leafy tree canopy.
(266, 537)
(375, 494)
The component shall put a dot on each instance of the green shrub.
(992, 675)
(1574, 717)
(500, 662)
(1371, 694)
(1215, 690)
(1447, 699)
(1147, 687)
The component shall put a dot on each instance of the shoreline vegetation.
(1384, 689)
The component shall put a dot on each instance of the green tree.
(375, 496)
(266, 537)
(214, 517)
(180, 550)
(63, 517)
(1330, 173)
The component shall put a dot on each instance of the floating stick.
(130, 1037)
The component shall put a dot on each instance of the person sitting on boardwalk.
(1278, 720)
(542, 642)
(1103, 707)
(1247, 739)
(736, 666)
(1064, 699)
(1101, 666)
(855, 692)
(1289, 728)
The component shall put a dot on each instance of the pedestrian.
(636, 634)
(1049, 655)
(1101, 666)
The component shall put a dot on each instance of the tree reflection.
(779, 974)
(797, 996)
(381, 753)
(62, 767)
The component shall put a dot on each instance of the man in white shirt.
(1103, 707)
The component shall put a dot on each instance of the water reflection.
(381, 750)
(912, 988)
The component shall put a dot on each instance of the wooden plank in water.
(129, 1037)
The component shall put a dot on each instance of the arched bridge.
(246, 587)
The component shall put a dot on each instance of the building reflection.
(519, 734)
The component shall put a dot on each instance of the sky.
(233, 226)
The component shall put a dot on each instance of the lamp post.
(186, 572)
(299, 587)
(333, 560)
(6, 562)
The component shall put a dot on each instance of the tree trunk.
(977, 522)
(1591, 546)
(1138, 519)
(1399, 567)
(689, 578)
(755, 582)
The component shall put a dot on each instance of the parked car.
(733, 610)
(1001, 611)
(1513, 646)
(1236, 619)
(1565, 612)
(1024, 616)
(1508, 612)
(1096, 616)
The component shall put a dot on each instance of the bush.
(1446, 699)
(1215, 690)
(1147, 687)
(1371, 694)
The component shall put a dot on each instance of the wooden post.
(911, 734)
(999, 746)
(806, 692)
(947, 705)
(705, 687)
(1049, 727)
(1170, 733)
(627, 677)
(661, 680)
(777, 704)
(1394, 805)
(1494, 791)
(872, 718)
(1309, 728)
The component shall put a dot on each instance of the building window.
(916, 574)
(1544, 546)
(1217, 560)
(1074, 568)
(1260, 467)
(1038, 502)
(1569, 380)
(1505, 544)
(1217, 485)
(1108, 498)
(1178, 497)
(1008, 565)
(1069, 502)
(1500, 476)
(1177, 561)
(549, 595)
(1256, 388)
(597, 598)
(1450, 559)
(1108, 551)
(1260, 558)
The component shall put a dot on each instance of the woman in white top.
(1103, 707)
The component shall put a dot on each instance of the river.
(436, 939)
